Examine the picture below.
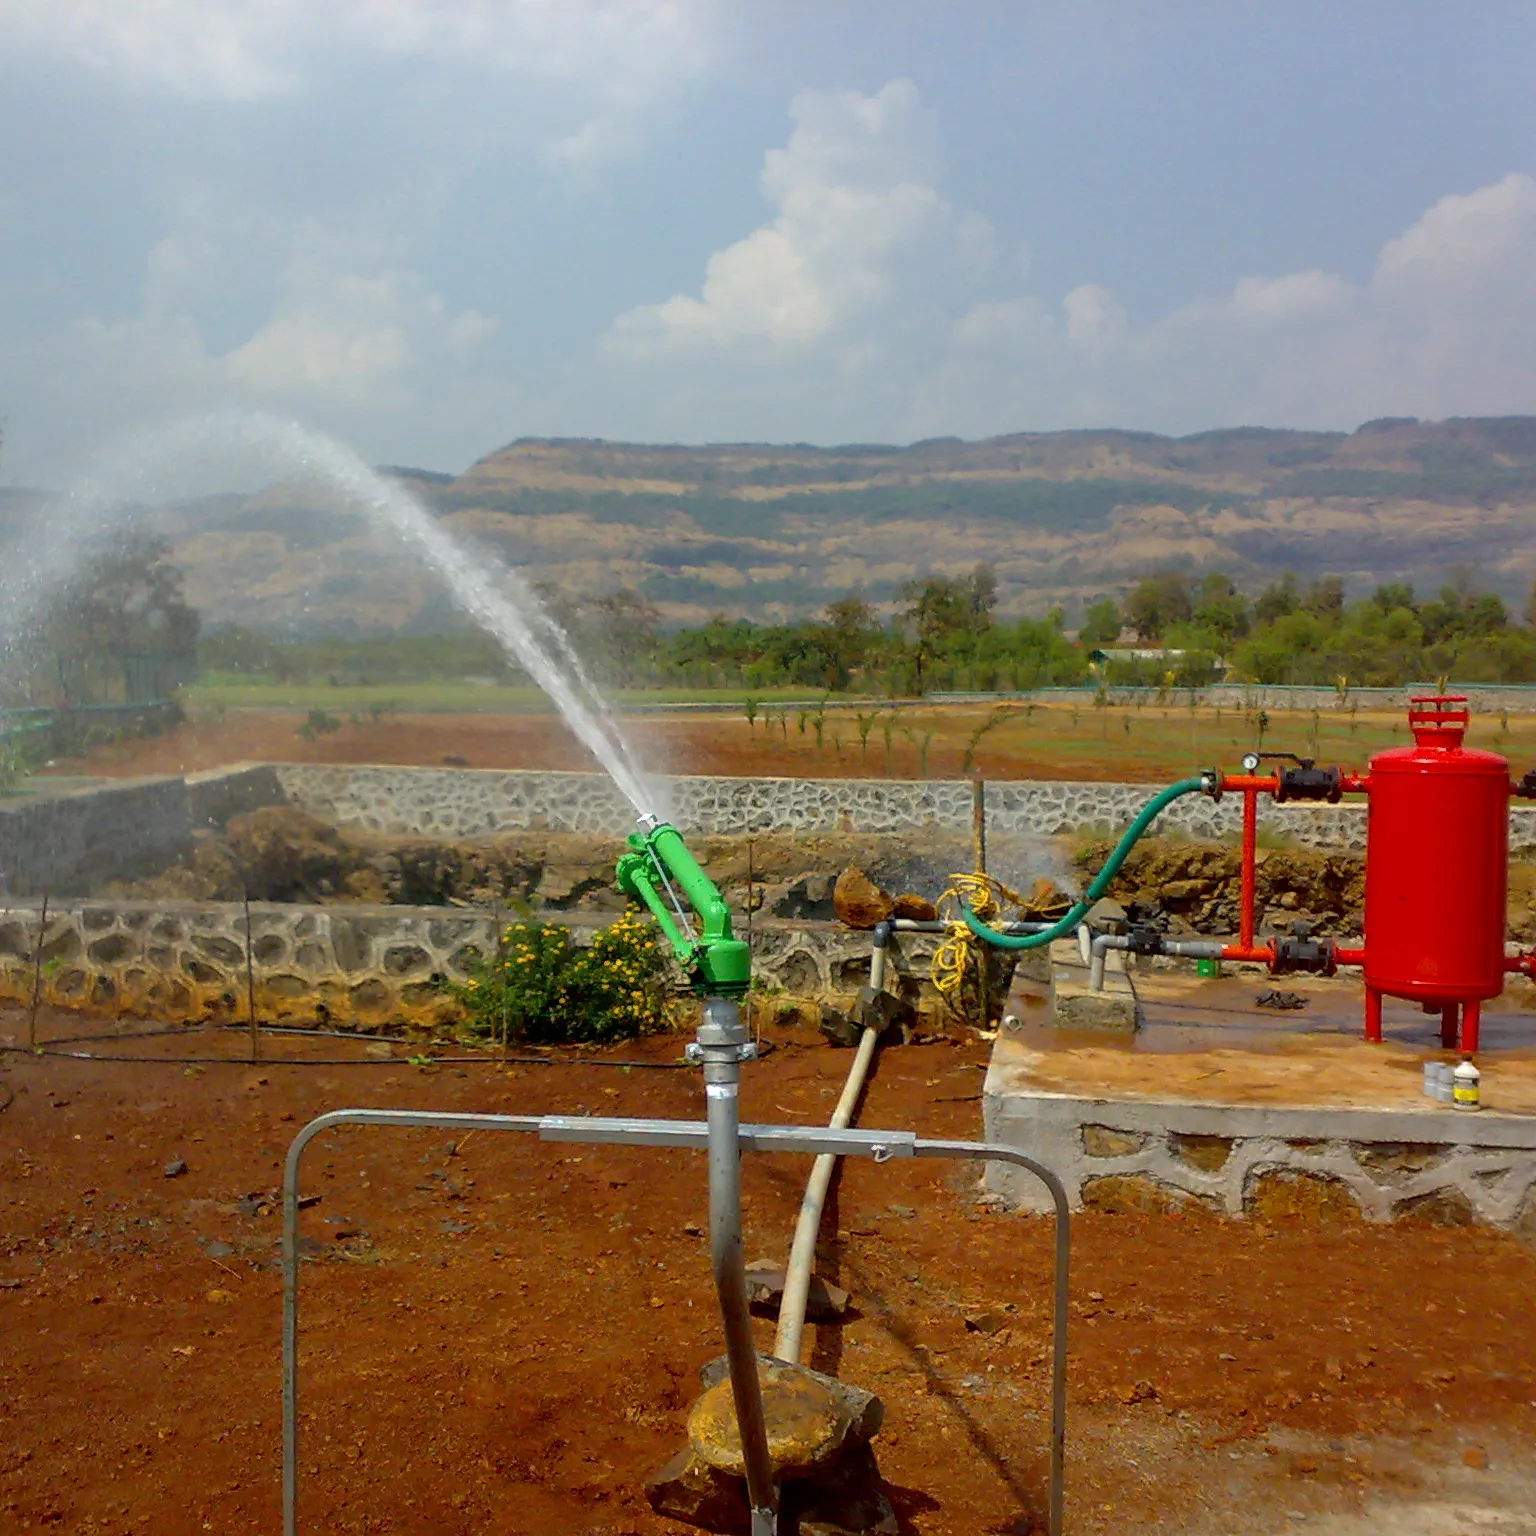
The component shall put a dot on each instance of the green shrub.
(543, 989)
(15, 764)
(319, 723)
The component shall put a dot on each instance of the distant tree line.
(1312, 633)
(946, 635)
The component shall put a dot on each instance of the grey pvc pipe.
(789, 1339)
(1197, 949)
(937, 925)
(882, 942)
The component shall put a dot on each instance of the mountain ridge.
(770, 531)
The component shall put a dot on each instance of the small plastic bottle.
(1431, 1078)
(1444, 1082)
(1467, 1093)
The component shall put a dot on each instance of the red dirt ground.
(1057, 743)
(508, 1340)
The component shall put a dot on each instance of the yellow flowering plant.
(542, 988)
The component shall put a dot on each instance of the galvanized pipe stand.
(722, 1044)
(818, 1141)
(659, 870)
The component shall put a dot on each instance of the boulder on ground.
(847, 1497)
(838, 1027)
(690, 1490)
(810, 1417)
(806, 896)
(893, 1016)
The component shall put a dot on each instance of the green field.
(450, 697)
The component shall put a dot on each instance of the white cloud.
(859, 226)
(611, 60)
(353, 338)
(1445, 324)
(233, 48)
(1095, 320)
(867, 304)
(358, 341)
(244, 48)
(870, 305)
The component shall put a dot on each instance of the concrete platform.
(1219, 1106)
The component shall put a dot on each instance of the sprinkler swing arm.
(879, 1146)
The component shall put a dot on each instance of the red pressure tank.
(1436, 870)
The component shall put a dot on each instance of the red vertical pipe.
(1250, 869)
(1448, 1026)
(1372, 1014)
(1471, 1018)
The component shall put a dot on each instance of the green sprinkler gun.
(661, 872)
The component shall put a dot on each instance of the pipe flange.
(697, 1054)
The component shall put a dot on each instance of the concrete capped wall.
(70, 841)
(1248, 1160)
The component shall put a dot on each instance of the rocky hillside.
(771, 531)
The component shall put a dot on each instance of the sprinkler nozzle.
(661, 872)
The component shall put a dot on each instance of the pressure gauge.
(1251, 762)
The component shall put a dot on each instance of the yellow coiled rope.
(987, 896)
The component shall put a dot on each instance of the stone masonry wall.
(459, 803)
(369, 968)
(67, 843)
(70, 843)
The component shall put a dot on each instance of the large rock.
(806, 896)
(838, 1027)
(893, 1016)
(858, 901)
(690, 1490)
(810, 1417)
(285, 854)
(847, 1497)
(824, 1302)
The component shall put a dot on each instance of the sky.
(432, 226)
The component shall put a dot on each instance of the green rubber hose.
(1100, 883)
